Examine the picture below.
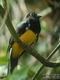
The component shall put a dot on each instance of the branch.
(48, 58)
(27, 49)
(5, 15)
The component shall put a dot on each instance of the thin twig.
(48, 58)
(5, 15)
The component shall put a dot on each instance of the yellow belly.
(28, 38)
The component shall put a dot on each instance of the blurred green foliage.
(28, 65)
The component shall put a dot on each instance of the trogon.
(28, 32)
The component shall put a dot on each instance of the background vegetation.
(48, 39)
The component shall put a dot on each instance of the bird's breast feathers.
(28, 38)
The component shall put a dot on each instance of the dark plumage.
(31, 23)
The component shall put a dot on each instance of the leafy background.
(49, 37)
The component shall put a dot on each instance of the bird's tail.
(12, 64)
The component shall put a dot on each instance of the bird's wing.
(20, 30)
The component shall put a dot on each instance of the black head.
(34, 22)
(32, 15)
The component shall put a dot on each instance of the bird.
(28, 32)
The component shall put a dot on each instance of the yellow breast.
(28, 38)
